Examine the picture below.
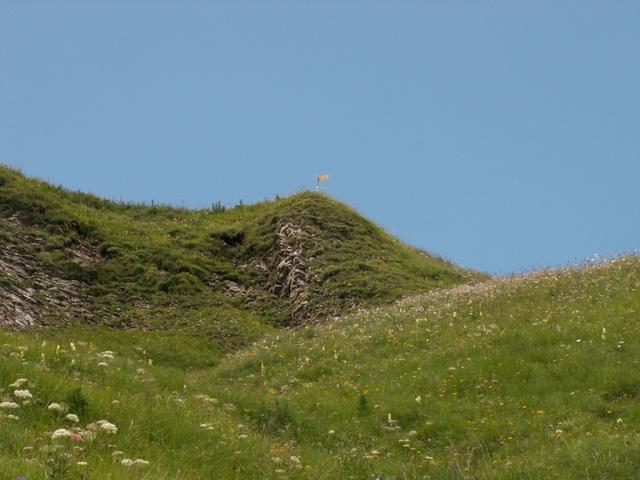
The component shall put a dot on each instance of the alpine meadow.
(295, 339)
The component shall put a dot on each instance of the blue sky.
(503, 135)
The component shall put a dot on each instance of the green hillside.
(532, 377)
(230, 275)
(160, 343)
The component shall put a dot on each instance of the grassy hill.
(229, 275)
(533, 377)
(165, 355)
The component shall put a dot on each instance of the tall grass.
(532, 377)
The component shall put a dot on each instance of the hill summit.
(73, 257)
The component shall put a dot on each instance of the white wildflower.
(61, 433)
(23, 394)
(12, 405)
(107, 427)
(55, 407)
(19, 383)
(72, 418)
(87, 435)
(139, 462)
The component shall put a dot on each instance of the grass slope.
(526, 378)
(161, 267)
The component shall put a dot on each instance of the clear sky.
(500, 134)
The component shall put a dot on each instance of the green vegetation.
(160, 267)
(532, 377)
(522, 378)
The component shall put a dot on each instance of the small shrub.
(363, 404)
(275, 417)
(77, 402)
(182, 283)
(217, 207)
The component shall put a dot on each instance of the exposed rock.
(292, 270)
(234, 289)
(86, 255)
(29, 295)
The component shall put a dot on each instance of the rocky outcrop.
(29, 295)
(292, 270)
